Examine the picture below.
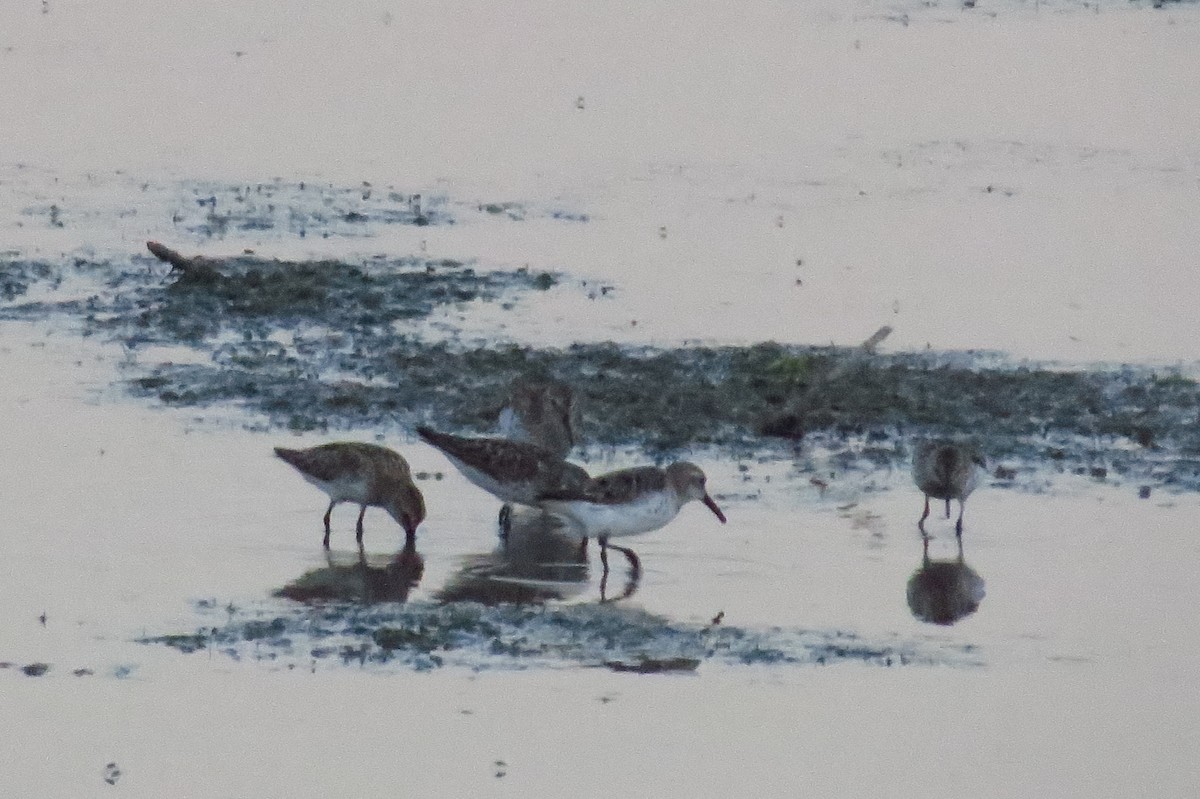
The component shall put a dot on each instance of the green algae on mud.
(422, 636)
(330, 345)
(1130, 422)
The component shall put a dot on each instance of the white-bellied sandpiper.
(629, 502)
(366, 474)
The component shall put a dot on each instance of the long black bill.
(712, 506)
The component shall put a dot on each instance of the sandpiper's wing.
(615, 488)
(508, 461)
(327, 462)
(388, 463)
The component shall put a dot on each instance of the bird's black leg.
(328, 511)
(505, 520)
(947, 509)
(958, 525)
(603, 552)
(635, 565)
(924, 516)
(358, 527)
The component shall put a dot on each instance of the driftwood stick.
(197, 269)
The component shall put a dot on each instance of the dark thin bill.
(713, 507)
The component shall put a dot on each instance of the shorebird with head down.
(946, 470)
(512, 471)
(630, 502)
(366, 474)
(542, 413)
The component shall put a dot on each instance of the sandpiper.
(946, 470)
(541, 412)
(514, 471)
(366, 474)
(629, 502)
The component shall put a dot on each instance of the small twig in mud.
(876, 338)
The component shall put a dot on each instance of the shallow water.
(1018, 179)
(161, 524)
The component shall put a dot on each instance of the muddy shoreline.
(423, 636)
(326, 345)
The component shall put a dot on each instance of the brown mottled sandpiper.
(629, 502)
(541, 412)
(366, 474)
(946, 470)
(510, 470)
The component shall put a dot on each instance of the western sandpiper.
(514, 471)
(366, 474)
(629, 502)
(541, 412)
(946, 470)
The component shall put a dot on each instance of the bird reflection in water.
(536, 563)
(365, 579)
(944, 591)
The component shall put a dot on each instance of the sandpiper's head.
(688, 481)
(407, 506)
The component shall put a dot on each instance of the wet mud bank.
(423, 636)
(328, 345)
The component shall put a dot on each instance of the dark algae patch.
(423, 636)
(253, 297)
(655, 665)
(329, 345)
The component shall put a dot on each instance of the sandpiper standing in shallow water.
(540, 412)
(945, 470)
(629, 502)
(365, 474)
(511, 470)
